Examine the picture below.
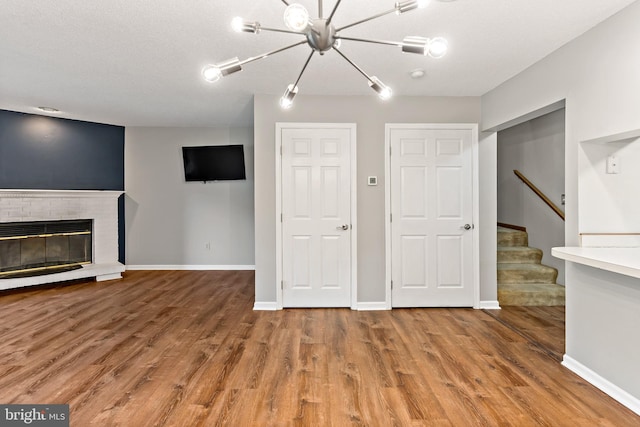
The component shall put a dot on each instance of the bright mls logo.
(34, 415)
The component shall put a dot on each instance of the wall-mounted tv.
(213, 163)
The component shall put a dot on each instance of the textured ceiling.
(138, 62)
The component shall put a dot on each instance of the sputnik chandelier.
(321, 35)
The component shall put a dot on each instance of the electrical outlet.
(207, 246)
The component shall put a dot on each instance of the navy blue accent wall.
(40, 152)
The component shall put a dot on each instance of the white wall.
(535, 148)
(370, 115)
(169, 222)
(597, 75)
(609, 202)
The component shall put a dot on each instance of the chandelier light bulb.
(296, 17)
(211, 73)
(437, 47)
(286, 101)
(237, 23)
(406, 6)
(384, 92)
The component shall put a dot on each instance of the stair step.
(510, 237)
(530, 294)
(519, 254)
(526, 273)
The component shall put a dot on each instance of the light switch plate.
(613, 165)
(372, 180)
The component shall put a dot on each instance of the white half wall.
(603, 314)
(170, 222)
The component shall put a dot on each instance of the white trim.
(278, 153)
(372, 306)
(266, 306)
(191, 267)
(476, 214)
(108, 271)
(387, 215)
(105, 277)
(603, 384)
(9, 193)
(354, 203)
(617, 260)
(489, 305)
(473, 127)
(616, 137)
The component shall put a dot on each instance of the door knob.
(467, 226)
(343, 227)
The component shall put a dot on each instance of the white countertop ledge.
(617, 260)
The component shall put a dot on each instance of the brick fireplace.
(100, 208)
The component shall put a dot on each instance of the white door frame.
(280, 126)
(476, 200)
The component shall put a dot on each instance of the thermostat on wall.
(372, 180)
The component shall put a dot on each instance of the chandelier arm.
(355, 66)
(362, 21)
(304, 67)
(333, 12)
(320, 9)
(278, 30)
(285, 2)
(385, 42)
(273, 52)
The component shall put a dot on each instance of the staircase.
(522, 279)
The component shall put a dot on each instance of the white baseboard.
(372, 306)
(489, 305)
(192, 267)
(265, 306)
(603, 384)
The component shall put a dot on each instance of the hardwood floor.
(544, 326)
(185, 349)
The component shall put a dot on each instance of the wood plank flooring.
(186, 349)
(542, 325)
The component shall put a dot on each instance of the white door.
(316, 217)
(431, 185)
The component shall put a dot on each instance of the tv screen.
(213, 163)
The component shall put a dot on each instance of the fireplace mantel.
(4, 193)
(49, 205)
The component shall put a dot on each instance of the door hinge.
(281, 217)
(390, 217)
(281, 151)
(389, 150)
(282, 284)
(392, 284)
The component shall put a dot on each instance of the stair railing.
(539, 194)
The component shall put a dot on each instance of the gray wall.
(597, 75)
(370, 115)
(169, 222)
(535, 148)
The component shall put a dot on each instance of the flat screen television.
(213, 163)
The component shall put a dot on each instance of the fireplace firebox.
(44, 247)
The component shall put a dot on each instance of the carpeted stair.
(522, 279)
